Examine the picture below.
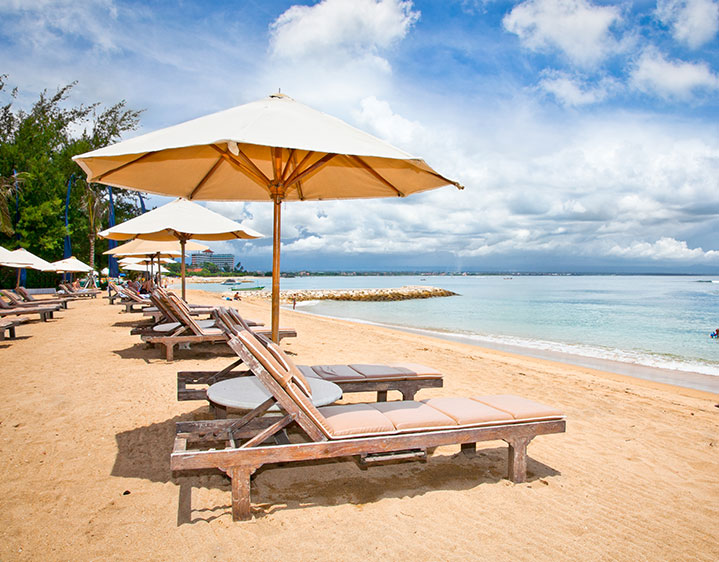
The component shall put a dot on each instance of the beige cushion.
(466, 411)
(335, 373)
(412, 415)
(519, 408)
(308, 372)
(354, 419)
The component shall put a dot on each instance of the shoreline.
(677, 378)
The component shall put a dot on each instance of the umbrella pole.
(182, 267)
(18, 277)
(276, 271)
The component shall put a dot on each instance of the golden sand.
(87, 421)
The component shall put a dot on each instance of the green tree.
(40, 143)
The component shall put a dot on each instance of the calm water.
(654, 321)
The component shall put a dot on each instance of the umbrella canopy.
(21, 255)
(71, 265)
(274, 149)
(180, 220)
(148, 248)
(138, 267)
(8, 259)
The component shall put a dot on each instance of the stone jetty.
(398, 294)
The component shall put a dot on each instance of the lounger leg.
(169, 351)
(469, 449)
(381, 396)
(241, 504)
(408, 392)
(517, 472)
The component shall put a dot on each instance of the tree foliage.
(39, 145)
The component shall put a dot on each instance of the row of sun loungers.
(372, 433)
(19, 306)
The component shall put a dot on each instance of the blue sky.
(586, 133)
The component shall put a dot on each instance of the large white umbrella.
(274, 149)
(71, 265)
(180, 220)
(8, 259)
(30, 261)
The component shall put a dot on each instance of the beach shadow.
(131, 323)
(197, 351)
(145, 453)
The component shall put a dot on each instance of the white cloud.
(580, 29)
(664, 249)
(341, 28)
(377, 116)
(693, 22)
(654, 74)
(571, 91)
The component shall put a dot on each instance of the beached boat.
(240, 288)
(229, 282)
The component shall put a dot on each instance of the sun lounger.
(23, 293)
(407, 378)
(190, 331)
(378, 432)
(9, 326)
(16, 300)
(88, 293)
(45, 312)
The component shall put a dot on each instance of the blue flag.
(112, 262)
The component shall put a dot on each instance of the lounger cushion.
(212, 332)
(411, 415)
(352, 419)
(336, 373)
(519, 408)
(465, 411)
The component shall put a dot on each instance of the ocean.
(654, 327)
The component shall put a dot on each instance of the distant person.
(715, 334)
(237, 297)
(146, 287)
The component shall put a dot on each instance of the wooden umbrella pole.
(182, 267)
(276, 271)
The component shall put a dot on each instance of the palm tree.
(96, 208)
(8, 185)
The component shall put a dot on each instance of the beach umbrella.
(180, 220)
(8, 259)
(21, 255)
(71, 265)
(275, 149)
(155, 249)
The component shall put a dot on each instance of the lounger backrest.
(11, 297)
(5, 305)
(159, 299)
(22, 291)
(182, 313)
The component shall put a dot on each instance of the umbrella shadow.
(144, 453)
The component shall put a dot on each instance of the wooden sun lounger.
(17, 300)
(190, 332)
(23, 293)
(87, 293)
(45, 312)
(407, 378)
(9, 326)
(378, 432)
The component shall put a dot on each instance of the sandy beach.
(87, 423)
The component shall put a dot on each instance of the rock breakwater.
(396, 294)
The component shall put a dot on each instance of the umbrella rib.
(245, 165)
(290, 157)
(206, 177)
(376, 174)
(297, 177)
(133, 161)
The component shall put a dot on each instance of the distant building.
(223, 261)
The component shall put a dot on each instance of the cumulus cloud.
(572, 91)
(579, 29)
(354, 28)
(654, 74)
(692, 22)
(377, 116)
(665, 249)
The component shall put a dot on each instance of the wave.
(517, 344)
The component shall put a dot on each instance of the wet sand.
(87, 422)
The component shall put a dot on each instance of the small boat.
(229, 282)
(247, 288)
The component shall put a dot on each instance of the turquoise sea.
(626, 322)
